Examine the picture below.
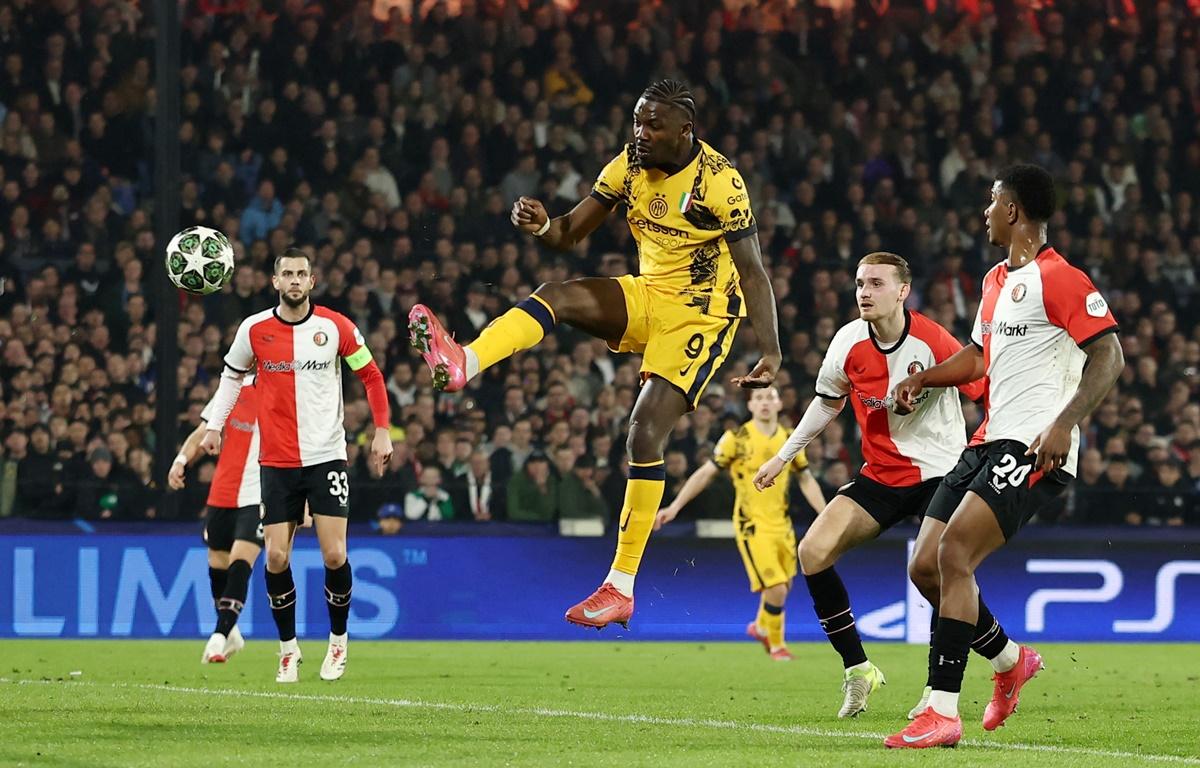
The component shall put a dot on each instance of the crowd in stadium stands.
(394, 147)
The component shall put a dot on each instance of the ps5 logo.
(1112, 581)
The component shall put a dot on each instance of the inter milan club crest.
(658, 208)
(320, 339)
(1018, 292)
(915, 367)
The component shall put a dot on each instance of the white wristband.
(543, 229)
(181, 458)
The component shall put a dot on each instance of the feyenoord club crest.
(1018, 292)
(320, 338)
(915, 367)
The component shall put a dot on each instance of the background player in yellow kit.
(700, 272)
(761, 523)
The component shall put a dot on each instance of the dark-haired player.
(295, 350)
(1044, 337)
(905, 456)
(700, 273)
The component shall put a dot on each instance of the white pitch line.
(677, 722)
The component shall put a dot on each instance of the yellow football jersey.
(742, 453)
(683, 223)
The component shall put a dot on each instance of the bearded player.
(294, 350)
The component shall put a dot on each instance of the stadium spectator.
(399, 176)
(533, 491)
(429, 501)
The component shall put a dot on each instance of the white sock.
(472, 363)
(338, 639)
(289, 646)
(944, 703)
(1008, 658)
(622, 581)
(864, 667)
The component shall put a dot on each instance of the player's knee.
(952, 559)
(776, 595)
(643, 445)
(277, 559)
(334, 557)
(923, 572)
(815, 555)
(556, 295)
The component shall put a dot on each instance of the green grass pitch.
(151, 703)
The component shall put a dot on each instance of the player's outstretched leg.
(595, 305)
(453, 364)
(655, 414)
(841, 526)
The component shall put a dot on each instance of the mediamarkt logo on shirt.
(286, 366)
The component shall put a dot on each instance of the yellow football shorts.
(678, 343)
(769, 556)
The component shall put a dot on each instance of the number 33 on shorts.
(339, 487)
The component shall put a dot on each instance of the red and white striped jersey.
(1032, 325)
(236, 481)
(299, 379)
(899, 451)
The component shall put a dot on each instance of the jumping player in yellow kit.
(762, 527)
(700, 273)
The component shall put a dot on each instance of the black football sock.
(229, 607)
(990, 637)
(338, 584)
(951, 645)
(832, 606)
(282, 591)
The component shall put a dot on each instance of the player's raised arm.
(561, 233)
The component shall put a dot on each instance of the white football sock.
(622, 581)
(865, 666)
(472, 363)
(339, 639)
(944, 703)
(289, 646)
(1007, 658)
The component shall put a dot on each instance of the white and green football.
(199, 260)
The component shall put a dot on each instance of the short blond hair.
(903, 271)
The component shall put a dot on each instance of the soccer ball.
(199, 260)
